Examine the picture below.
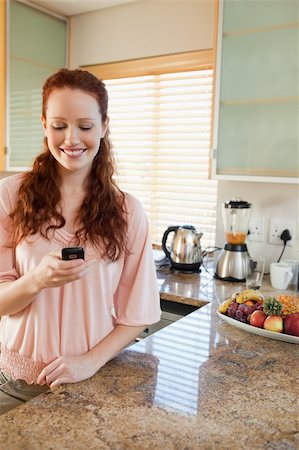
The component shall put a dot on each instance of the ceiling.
(72, 7)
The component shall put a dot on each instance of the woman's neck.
(73, 183)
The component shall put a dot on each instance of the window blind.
(160, 129)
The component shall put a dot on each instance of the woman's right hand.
(52, 271)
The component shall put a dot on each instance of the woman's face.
(73, 128)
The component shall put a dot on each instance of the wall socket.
(256, 230)
(276, 228)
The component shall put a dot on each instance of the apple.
(257, 318)
(274, 323)
(291, 324)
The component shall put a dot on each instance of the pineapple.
(290, 304)
(272, 306)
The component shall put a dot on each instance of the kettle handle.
(165, 236)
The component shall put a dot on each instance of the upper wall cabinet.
(36, 49)
(256, 92)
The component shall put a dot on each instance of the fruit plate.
(259, 331)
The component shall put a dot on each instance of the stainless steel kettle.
(185, 251)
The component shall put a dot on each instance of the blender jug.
(236, 215)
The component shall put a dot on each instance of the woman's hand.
(52, 271)
(68, 369)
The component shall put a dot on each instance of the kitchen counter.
(197, 384)
(198, 289)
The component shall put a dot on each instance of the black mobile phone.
(68, 253)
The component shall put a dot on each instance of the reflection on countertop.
(197, 384)
(181, 349)
(191, 288)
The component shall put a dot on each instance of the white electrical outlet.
(256, 230)
(277, 226)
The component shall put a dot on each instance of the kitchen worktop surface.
(198, 289)
(196, 384)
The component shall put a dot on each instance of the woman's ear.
(43, 119)
(105, 126)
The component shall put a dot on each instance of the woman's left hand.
(66, 369)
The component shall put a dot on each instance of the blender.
(233, 260)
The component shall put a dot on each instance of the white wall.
(142, 29)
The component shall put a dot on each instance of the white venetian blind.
(160, 129)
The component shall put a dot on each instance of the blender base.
(231, 279)
(232, 263)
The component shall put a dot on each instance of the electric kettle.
(185, 250)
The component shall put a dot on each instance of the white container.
(280, 275)
(295, 269)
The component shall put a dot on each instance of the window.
(160, 128)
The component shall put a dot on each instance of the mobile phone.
(68, 253)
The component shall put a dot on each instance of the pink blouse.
(72, 319)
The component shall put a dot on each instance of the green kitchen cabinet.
(256, 92)
(37, 47)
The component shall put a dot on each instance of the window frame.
(155, 65)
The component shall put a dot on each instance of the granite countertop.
(197, 384)
(198, 289)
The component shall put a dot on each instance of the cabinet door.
(256, 95)
(37, 48)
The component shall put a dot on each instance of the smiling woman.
(70, 96)
(62, 320)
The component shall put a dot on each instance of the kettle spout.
(198, 234)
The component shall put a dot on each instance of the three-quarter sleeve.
(8, 270)
(137, 300)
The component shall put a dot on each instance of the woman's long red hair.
(102, 215)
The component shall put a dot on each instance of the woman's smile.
(73, 152)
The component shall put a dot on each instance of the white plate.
(259, 331)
